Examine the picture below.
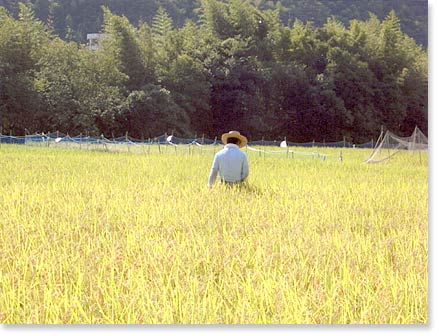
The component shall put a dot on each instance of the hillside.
(73, 19)
(234, 67)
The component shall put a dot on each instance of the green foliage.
(74, 19)
(161, 25)
(21, 44)
(190, 88)
(235, 66)
(123, 42)
(152, 108)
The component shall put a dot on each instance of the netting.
(168, 139)
(389, 144)
(291, 153)
(171, 144)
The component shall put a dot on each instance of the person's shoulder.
(221, 151)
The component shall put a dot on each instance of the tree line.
(73, 19)
(235, 66)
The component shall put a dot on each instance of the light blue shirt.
(230, 163)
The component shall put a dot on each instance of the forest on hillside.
(235, 65)
(73, 19)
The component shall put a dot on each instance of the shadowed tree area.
(234, 65)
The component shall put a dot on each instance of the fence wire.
(171, 144)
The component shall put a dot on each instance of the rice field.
(93, 237)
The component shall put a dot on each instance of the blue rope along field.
(166, 143)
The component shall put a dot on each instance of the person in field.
(230, 163)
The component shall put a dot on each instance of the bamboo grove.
(234, 66)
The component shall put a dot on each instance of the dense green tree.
(308, 49)
(236, 66)
(387, 66)
(147, 111)
(166, 42)
(80, 89)
(190, 89)
(122, 41)
(161, 26)
(58, 83)
(348, 76)
(86, 16)
(21, 44)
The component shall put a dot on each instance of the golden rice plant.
(96, 237)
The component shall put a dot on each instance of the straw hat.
(234, 134)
